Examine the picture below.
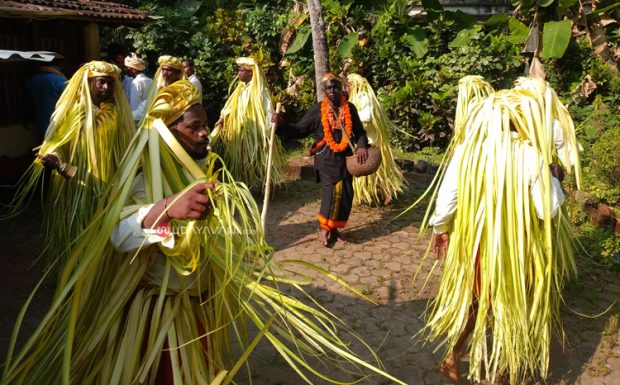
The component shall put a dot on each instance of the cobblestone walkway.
(380, 259)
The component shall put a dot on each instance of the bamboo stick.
(263, 216)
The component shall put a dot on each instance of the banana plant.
(553, 23)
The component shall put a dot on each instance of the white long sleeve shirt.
(129, 236)
(566, 154)
(139, 112)
(127, 85)
(139, 91)
(445, 205)
(196, 82)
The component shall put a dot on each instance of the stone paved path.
(380, 259)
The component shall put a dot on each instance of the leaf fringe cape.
(388, 181)
(243, 140)
(517, 262)
(93, 139)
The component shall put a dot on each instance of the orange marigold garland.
(329, 124)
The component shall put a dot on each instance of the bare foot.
(449, 367)
(324, 237)
(503, 379)
(387, 197)
(336, 237)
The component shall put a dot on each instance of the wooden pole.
(263, 216)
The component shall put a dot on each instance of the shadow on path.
(380, 261)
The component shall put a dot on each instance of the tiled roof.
(103, 11)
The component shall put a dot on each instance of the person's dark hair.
(189, 61)
(115, 49)
(59, 61)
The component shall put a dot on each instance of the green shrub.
(602, 245)
(599, 132)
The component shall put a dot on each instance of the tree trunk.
(319, 44)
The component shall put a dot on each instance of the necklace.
(330, 124)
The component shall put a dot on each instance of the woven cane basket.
(370, 166)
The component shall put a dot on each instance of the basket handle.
(331, 107)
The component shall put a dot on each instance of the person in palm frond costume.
(169, 71)
(503, 234)
(87, 136)
(242, 133)
(170, 272)
(388, 181)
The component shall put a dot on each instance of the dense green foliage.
(413, 62)
(600, 135)
(211, 34)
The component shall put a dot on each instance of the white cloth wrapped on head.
(134, 62)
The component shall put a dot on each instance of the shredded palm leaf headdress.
(554, 109)
(159, 81)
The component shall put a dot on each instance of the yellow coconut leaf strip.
(221, 378)
(18, 323)
(172, 342)
(295, 361)
(176, 147)
(303, 327)
(352, 358)
(328, 274)
(125, 344)
(225, 377)
(155, 167)
(286, 277)
(56, 305)
(292, 305)
(167, 317)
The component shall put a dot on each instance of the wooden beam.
(92, 44)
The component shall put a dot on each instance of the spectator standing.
(116, 56)
(44, 89)
(190, 71)
(141, 84)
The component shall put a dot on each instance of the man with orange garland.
(326, 120)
